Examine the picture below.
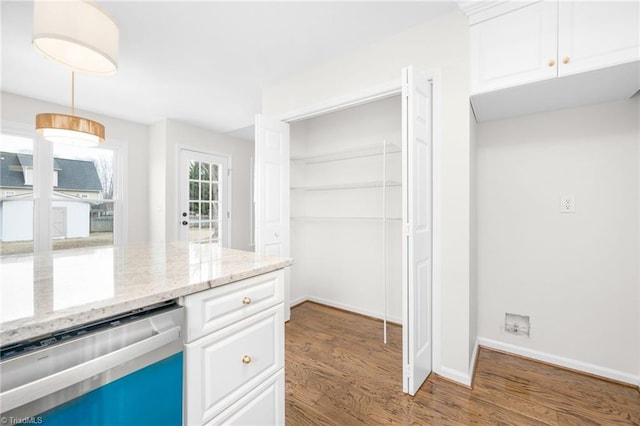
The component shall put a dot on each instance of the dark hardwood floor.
(338, 372)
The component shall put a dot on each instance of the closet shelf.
(367, 151)
(343, 218)
(343, 186)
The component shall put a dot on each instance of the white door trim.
(384, 90)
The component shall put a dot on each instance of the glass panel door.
(204, 199)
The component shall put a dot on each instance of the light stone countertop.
(44, 293)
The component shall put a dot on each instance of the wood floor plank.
(339, 372)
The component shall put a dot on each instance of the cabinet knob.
(185, 223)
(565, 60)
(551, 62)
(246, 300)
(246, 359)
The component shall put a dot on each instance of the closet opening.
(346, 210)
(351, 190)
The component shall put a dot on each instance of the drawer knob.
(551, 62)
(565, 60)
(246, 301)
(246, 359)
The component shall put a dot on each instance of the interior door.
(271, 194)
(272, 187)
(204, 198)
(417, 245)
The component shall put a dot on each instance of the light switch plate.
(568, 203)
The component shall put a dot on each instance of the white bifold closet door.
(416, 256)
(272, 215)
(271, 192)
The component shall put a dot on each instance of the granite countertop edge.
(25, 329)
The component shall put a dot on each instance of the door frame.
(229, 186)
(385, 90)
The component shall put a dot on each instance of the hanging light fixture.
(70, 129)
(78, 35)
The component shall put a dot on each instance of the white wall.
(17, 212)
(576, 274)
(441, 44)
(22, 110)
(77, 218)
(169, 136)
(158, 176)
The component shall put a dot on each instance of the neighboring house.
(76, 187)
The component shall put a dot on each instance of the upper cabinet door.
(515, 48)
(594, 35)
(272, 187)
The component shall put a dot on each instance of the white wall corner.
(596, 370)
(454, 375)
(464, 378)
(473, 361)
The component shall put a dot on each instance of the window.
(71, 195)
(16, 182)
(83, 197)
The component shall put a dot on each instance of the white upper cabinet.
(550, 39)
(593, 35)
(514, 48)
(546, 55)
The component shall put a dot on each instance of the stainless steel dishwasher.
(120, 371)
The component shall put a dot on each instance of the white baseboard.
(297, 301)
(454, 375)
(346, 307)
(572, 364)
(458, 376)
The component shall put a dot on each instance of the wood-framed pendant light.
(70, 129)
(80, 36)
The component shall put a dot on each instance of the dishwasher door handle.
(32, 391)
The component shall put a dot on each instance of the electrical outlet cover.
(568, 203)
(517, 324)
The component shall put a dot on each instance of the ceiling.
(202, 63)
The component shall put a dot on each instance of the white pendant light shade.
(76, 34)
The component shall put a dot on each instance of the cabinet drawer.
(214, 309)
(263, 406)
(224, 366)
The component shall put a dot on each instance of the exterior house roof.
(26, 160)
(76, 175)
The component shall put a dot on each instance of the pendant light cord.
(73, 90)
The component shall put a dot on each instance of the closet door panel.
(272, 187)
(271, 195)
(417, 138)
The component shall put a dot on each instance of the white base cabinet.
(261, 407)
(234, 353)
